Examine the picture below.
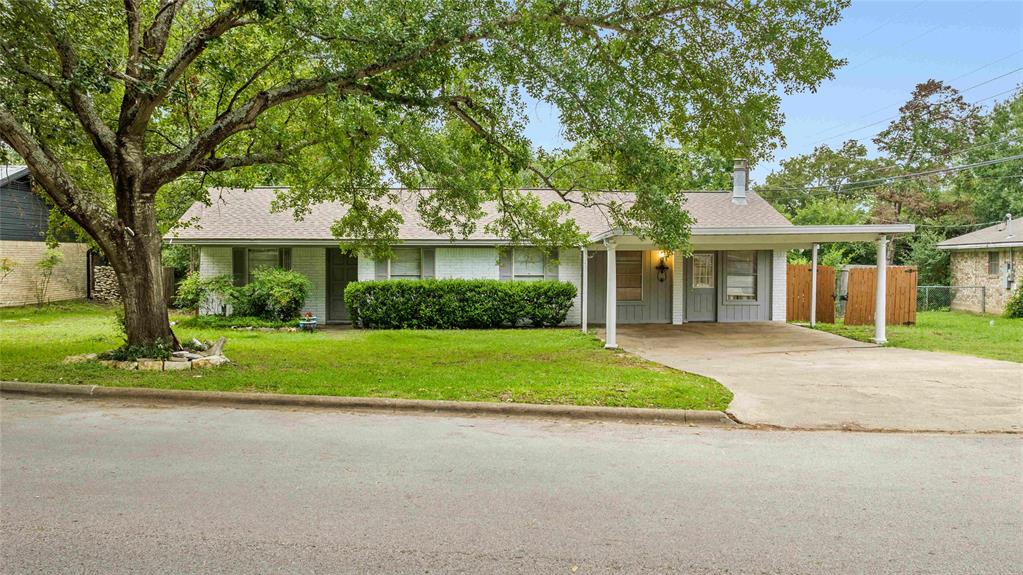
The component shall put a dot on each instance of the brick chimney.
(740, 182)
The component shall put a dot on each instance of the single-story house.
(24, 220)
(736, 272)
(985, 264)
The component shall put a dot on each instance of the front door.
(701, 288)
(341, 269)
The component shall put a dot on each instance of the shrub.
(1014, 307)
(273, 294)
(223, 322)
(194, 290)
(457, 304)
(157, 350)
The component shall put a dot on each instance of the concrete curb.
(633, 414)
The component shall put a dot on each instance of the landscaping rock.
(177, 365)
(80, 358)
(216, 348)
(150, 364)
(198, 345)
(210, 361)
(184, 356)
(120, 364)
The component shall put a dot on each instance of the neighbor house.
(24, 221)
(985, 265)
(736, 272)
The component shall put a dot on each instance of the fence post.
(927, 298)
(983, 299)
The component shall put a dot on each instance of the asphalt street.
(107, 487)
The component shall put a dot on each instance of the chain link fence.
(945, 298)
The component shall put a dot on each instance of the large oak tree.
(118, 107)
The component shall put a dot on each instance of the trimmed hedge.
(457, 304)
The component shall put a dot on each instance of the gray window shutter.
(550, 268)
(381, 269)
(238, 266)
(284, 257)
(429, 263)
(505, 264)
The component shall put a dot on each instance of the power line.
(900, 102)
(890, 168)
(895, 117)
(897, 178)
(814, 144)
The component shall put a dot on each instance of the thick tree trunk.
(140, 275)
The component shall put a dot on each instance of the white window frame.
(515, 276)
(997, 261)
(740, 300)
(390, 262)
(642, 276)
(697, 280)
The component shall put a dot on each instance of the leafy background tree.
(935, 129)
(123, 107)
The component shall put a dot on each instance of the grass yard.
(553, 366)
(950, 331)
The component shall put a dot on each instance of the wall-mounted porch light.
(662, 266)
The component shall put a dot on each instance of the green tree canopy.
(117, 104)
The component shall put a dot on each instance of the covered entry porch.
(729, 275)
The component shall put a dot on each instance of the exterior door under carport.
(342, 269)
(701, 287)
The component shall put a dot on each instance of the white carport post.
(584, 290)
(880, 303)
(813, 287)
(611, 318)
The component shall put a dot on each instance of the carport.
(756, 295)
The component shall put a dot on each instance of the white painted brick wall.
(367, 269)
(312, 263)
(214, 261)
(677, 288)
(570, 269)
(779, 285)
(68, 280)
(467, 263)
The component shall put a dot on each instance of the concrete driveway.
(795, 377)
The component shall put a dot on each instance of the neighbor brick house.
(736, 272)
(23, 225)
(986, 265)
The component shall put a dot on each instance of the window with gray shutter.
(429, 263)
(238, 266)
(504, 267)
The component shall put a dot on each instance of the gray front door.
(701, 287)
(341, 269)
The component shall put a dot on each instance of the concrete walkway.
(795, 377)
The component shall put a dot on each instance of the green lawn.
(955, 332)
(556, 366)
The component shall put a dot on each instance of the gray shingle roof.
(236, 214)
(1000, 234)
(10, 172)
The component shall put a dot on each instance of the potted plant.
(307, 322)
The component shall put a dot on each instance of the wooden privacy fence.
(799, 279)
(900, 296)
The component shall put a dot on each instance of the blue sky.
(891, 47)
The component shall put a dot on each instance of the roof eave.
(981, 245)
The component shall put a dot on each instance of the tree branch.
(99, 133)
(47, 170)
(138, 108)
(131, 18)
(244, 117)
